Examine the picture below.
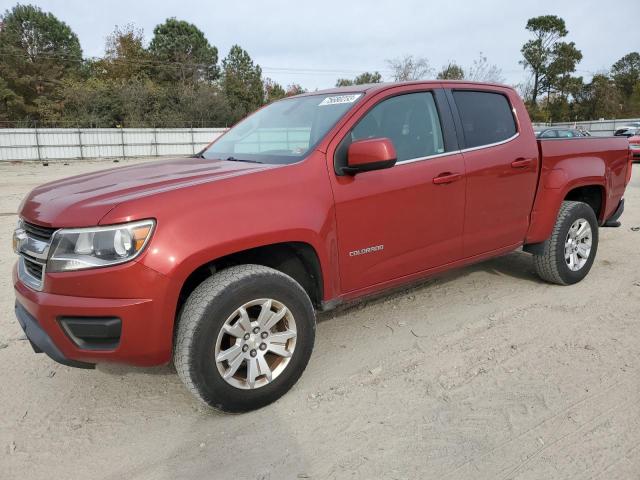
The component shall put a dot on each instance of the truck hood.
(84, 200)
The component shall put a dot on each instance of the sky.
(314, 43)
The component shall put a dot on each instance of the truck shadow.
(119, 370)
(517, 265)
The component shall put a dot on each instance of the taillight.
(629, 167)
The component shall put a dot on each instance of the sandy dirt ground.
(482, 373)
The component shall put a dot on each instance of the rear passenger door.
(501, 168)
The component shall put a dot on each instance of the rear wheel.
(569, 253)
(244, 338)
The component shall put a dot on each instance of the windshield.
(283, 132)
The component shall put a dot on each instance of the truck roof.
(373, 87)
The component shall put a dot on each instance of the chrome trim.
(429, 157)
(34, 250)
(456, 152)
(502, 142)
(105, 228)
(28, 279)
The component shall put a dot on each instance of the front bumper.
(41, 342)
(147, 320)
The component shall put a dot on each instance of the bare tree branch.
(410, 68)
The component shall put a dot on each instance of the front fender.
(180, 271)
(206, 221)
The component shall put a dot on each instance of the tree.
(141, 102)
(125, 54)
(409, 68)
(367, 77)
(294, 89)
(242, 82)
(175, 105)
(362, 79)
(633, 105)
(344, 82)
(598, 99)
(9, 102)
(37, 51)
(182, 53)
(538, 52)
(91, 102)
(482, 71)
(273, 91)
(626, 74)
(565, 58)
(451, 71)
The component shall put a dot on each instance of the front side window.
(410, 121)
(284, 131)
(486, 117)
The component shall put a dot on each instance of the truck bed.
(569, 163)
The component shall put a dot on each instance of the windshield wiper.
(234, 159)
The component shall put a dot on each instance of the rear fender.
(555, 185)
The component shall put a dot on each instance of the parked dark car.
(561, 133)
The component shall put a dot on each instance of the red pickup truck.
(220, 261)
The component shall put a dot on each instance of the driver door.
(409, 218)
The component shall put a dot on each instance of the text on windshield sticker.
(339, 99)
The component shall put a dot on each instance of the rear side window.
(486, 117)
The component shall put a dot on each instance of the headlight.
(80, 248)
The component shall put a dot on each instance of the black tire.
(203, 316)
(551, 264)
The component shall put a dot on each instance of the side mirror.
(370, 154)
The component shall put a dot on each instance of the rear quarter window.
(486, 117)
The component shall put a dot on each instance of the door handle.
(445, 178)
(521, 163)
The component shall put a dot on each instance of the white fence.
(43, 144)
(83, 143)
(598, 128)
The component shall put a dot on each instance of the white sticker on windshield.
(340, 99)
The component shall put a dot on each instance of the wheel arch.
(593, 195)
(591, 191)
(299, 260)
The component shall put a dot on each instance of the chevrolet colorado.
(220, 261)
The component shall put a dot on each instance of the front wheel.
(569, 253)
(244, 338)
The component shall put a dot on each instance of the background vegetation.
(178, 79)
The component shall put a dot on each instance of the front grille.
(36, 231)
(33, 246)
(34, 268)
